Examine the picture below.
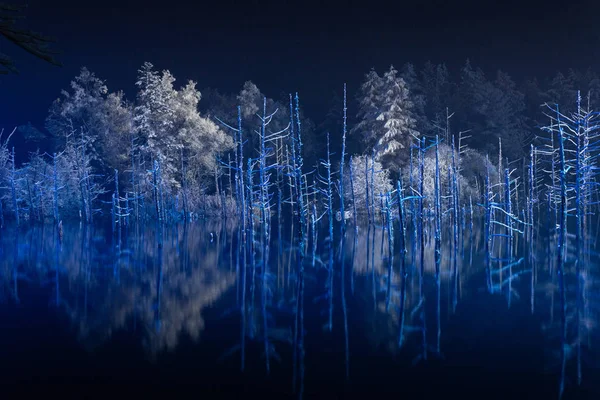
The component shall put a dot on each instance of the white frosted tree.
(155, 118)
(168, 121)
(81, 122)
(361, 178)
(387, 121)
(91, 116)
(77, 110)
(115, 127)
(398, 122)
(201, 138)
(249, 99)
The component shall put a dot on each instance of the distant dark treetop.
(32, 42)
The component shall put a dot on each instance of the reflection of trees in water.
(571, 333)
(104, 288)
(371, 270)
(371, 262)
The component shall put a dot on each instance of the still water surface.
(164, 309)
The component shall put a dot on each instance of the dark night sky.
(311, 47)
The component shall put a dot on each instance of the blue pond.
(156, 309)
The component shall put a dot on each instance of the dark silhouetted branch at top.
(32, 42)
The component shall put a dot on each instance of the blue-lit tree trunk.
(561, 245)
(342, 161)
(134, 185)
(353, 197)
(487, 229)
(295, 182)
(438, 239)
(414, 216)
(531, 225)
(328, 191)
(298, 165)
(422, 249)
(421, 215)
(251, 230)
(403, 272)
(265, 221)
(373, 186)
(315, 233)
(508, 221)
(240, 171)
(390, 229)
(456, 224)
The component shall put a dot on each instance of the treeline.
(111, 153)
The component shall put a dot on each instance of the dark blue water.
(96, 311)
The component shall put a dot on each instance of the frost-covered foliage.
(115, 126)
(472, 167)
(102, 118)
(381, 182)
(97, 132)
(82, 110)
(388, 123)
(393, 146)
(201, 138)
(168, 120)
(249, 99)
(34, 186)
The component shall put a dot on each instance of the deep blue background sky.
(312, 47)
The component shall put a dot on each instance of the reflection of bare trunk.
(159, 276)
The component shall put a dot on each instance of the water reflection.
(104, 286)
(161, 281)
